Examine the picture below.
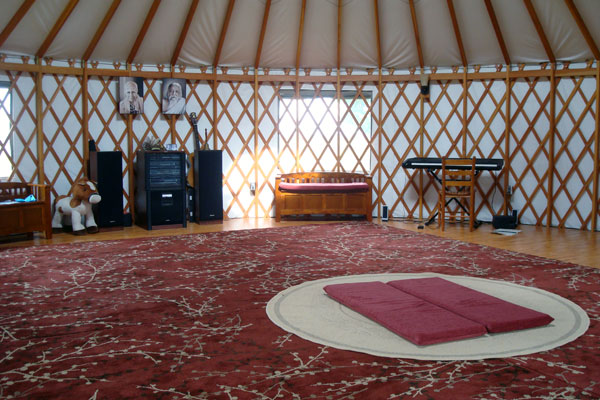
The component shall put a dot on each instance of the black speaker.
(208, 185)
(505, 221)
(106, 169)
(384, 213)
(165, 207)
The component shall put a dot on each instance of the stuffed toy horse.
(83, 194)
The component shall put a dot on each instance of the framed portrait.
(131, 95)
(173, 96)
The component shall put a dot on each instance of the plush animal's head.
(84, 190)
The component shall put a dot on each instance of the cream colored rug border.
(305, 310)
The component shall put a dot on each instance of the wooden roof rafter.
(100, 31)
(413, 14)
(57, 27)
(223, 33)
(494, 20)
(14, 21)
(263, 29)
(338, 62)
(540, 30)
(300, 34)
(583, 28)
(143, 31)
(459, 41)
(184, 31)
(377, 32)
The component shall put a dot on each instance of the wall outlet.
(509, 190)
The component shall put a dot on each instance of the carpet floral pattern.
(184, 318)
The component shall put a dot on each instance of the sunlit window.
(309, 133)
(5, 139)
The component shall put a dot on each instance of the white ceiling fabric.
(358, 40)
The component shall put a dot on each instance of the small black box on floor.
(505, 221)
(384, 213)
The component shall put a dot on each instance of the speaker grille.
(208, 185)
(106, 170)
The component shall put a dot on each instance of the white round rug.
(308, 312)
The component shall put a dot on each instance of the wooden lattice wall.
(547, 133)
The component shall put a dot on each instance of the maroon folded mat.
(495, 314)
(412, 318)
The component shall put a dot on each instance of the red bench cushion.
(408, 316)
(495, 314)
(341, 187)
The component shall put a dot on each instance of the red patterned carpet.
(184, 318)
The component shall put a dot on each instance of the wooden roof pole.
(223, 33)
(459, 41)
(143, 31)
(261, 39)
(550, 136)
(297, 88)
(299, 47)
(538, 27)
(300, 34)
(339, 36)
(263, 29)
(413, 15)
(463, 58)
(100, 31)
(224, 29)
(377, 34)
(583, 28)
(184, 31)
(56, 28)
(494, 20)
(14, 21)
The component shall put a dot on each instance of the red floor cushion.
(495, 314)
(408, 316)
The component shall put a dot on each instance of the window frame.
(290, 94)
(9, 139)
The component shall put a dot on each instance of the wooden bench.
(25, 217)
(302, 193)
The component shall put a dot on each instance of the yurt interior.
(208, 160)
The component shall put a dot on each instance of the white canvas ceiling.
(359, 28)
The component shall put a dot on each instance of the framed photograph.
(131, 95)
(173, 96)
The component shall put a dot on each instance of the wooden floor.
(579, 247)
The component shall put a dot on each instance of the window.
(309, 134)
(5, 128)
